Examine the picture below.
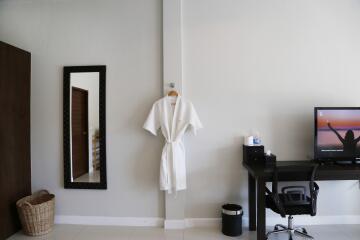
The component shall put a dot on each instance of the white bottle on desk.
(249, 140)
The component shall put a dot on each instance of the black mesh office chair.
(292, 200)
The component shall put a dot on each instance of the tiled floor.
(77, 232)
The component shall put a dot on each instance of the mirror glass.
(84, 140)
(85, 153)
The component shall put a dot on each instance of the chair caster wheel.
(276, 228)
(304, 231)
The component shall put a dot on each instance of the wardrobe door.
(15, 166)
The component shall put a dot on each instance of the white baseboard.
(271, 221)
(316, 220)
(199, 222)
(110, 221)
(174, 224)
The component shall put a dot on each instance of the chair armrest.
(276, 199)
(314, 191)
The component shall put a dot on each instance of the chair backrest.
(314, 191)
(294, 195)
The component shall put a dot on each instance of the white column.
(172, 63)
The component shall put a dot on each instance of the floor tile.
(157, 234)
(59, 232)
(78, 232)
(106, 232)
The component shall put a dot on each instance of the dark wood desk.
(258, 175)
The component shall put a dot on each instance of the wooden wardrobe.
(15, 165)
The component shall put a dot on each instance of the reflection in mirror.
(84, 128)
(84, 104)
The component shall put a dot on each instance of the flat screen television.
(337, 133)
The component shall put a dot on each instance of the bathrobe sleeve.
(152, 123)
(194, 121)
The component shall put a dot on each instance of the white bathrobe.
(173, 115)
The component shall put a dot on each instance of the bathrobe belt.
(171, 144)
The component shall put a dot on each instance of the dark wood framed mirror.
(84, 127)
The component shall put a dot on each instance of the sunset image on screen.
(338, 132)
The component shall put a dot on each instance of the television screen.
(337, 133)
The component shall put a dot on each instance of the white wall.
(264, 65)
(124, 35)
(247, 64)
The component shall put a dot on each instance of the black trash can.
(232, 220)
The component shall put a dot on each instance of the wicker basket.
(36, 213)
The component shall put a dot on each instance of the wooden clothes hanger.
(173, 93)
